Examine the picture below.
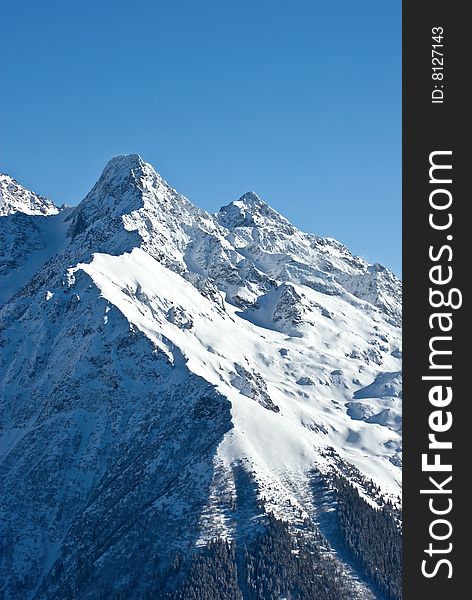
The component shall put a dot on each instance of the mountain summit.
(14, 198)
(250, 211)
(193, 406)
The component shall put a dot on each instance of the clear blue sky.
(298, 100)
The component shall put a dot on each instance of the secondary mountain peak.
(249, 211)
(14, 198)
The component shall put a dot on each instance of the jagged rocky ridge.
(14, 198)
(169, 377)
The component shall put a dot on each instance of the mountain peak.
(249, 211)
(127, 186)
(118, 191)
(125, 167)
(251, 198)
(124, 162)
(14, 198)
(128, 172)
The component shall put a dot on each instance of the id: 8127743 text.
(437, 65)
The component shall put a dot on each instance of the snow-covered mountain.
(14, 198)
(168, 377)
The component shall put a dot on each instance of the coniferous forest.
(283, 563)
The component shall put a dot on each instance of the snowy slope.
(27, 242)
(154, 350)
(32, 230)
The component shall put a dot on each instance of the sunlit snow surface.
(275, 443)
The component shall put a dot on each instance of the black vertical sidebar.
(436, 118)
